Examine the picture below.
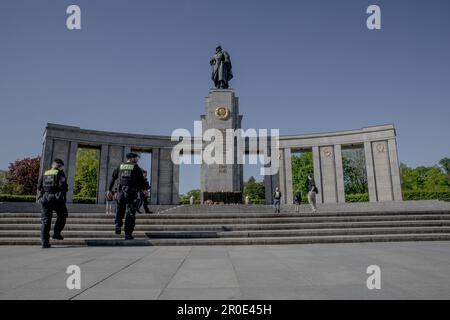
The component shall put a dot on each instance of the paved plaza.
(409, 270)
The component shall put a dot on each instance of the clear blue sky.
(301, 66)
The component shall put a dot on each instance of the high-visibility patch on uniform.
(51, 172)
(50, 177)
(126, 166)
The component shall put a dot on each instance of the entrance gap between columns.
(87, 169)
(302, 166)
(355, 174)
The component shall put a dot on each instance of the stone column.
(155, 176)
(268, 188)
(382, 169)
(103, 174)
(339, 173)
(125, 151)
(47, 155)
(395, 170)
(175, 183)
(328, 171)
(370, 172)
(288, 196)
(282, 176)
(317, 173)
(165, 182)
(71, 168)
(115, 158)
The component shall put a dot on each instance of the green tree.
(445, 165)
(86, 176)
(354, 166)
(255, 190)
(185, 198)
(302, 166)
(423, 178)
(3, 181)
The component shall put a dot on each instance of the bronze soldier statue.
(221, 68)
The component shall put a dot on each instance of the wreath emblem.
(380, 147)
(222, 113)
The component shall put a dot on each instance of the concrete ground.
(409, 270)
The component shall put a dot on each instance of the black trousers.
(126, 206)
(49, 204)
(145, 204)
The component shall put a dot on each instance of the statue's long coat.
(221, 69)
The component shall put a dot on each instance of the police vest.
(50, 179)
(126, 176)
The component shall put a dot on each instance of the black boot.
(118, 229)
(58, 236)
(46, 245)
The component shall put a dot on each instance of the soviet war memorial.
(179, 150)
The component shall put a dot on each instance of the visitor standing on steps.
(312, 191)
(297, 201)
(277, 199)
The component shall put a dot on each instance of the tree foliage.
(302, 166)
(445, 166)
(255, 190)
(185, 198)
(423, 178)
(354, 166)
(22, 177)
(3, 181)
(86, 176)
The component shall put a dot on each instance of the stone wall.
(382, 164)
(63, 142)
(379, 143)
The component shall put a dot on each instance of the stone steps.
(233, 215)
(232, 234)
(236, 228)
(243, 220)
(278, 226)
(234, 241)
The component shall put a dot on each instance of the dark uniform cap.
(132, 155)
(59, 161)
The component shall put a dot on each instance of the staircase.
(243, 225)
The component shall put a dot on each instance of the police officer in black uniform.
(53, 188)
(131, 182)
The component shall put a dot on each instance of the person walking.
(131, 182)
(297, 201)
(277, 199)
(312, 191)
(53, 187)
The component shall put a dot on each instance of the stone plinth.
(222, 113)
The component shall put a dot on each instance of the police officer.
(53, 188)
(131, 182)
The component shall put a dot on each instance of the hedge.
(357, 197)
(32, 198)
(89, 200)
(17, 198)
(426, 195)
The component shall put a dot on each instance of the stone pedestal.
(222, 113)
